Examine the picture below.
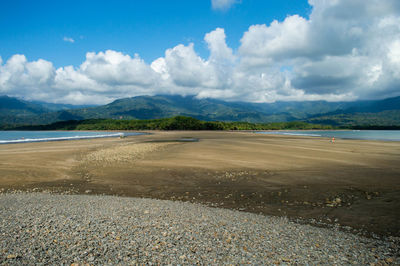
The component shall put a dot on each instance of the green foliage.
(384, 119)
(382, 113)
(174, 123)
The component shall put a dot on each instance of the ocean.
(40, 136)
(388, 135)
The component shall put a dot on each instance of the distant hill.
(379, 112)
(59, 106)
(154, 107)
(9, 105)
(362, 113)
(162, 106)
(374, 106)
(15, 111)
(384, 118)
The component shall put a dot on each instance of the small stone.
(175, 234)
(12, 256)
(389, 260)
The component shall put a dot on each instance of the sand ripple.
(123, 153)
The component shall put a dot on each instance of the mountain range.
(385, 112)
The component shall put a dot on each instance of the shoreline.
(352, 183)
(139, 132)
(69, 138)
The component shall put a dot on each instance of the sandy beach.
(353, 183)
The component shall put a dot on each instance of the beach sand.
(353, 183)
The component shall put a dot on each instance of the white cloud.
(394, 52)
(278, 41)
(68, 39)
(345, 50)
(115, 68)
(106, 76)
(340, 51)
(20, 77)
(222, 4)
(184, 66)
(218, 48)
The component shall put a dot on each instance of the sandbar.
(351, 183)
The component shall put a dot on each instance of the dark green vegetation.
(383, 120)
(383, 114)
(14, 111)
(174, 123)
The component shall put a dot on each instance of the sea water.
(39, 136)
(389, 135)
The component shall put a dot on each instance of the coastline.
(350, 183)
(340, 134)
(92, 135)
(125, 133)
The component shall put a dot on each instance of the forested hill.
(380, 113)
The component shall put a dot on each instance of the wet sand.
(353, 183)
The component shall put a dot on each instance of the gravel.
(40, 228)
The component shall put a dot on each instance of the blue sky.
(37, 28)
(93, 52)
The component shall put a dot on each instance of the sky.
(93, 52)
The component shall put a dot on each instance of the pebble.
(43, 228)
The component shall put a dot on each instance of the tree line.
(174, 123)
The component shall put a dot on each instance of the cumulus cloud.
(279, 40)
(222, 4)
(345, 50)
(68, 39)
(20, 77)
(342, 50)
(115, 68)
(106, 76)
(220, 52)
(185, 67)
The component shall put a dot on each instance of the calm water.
(37, 136)
(392, 135)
